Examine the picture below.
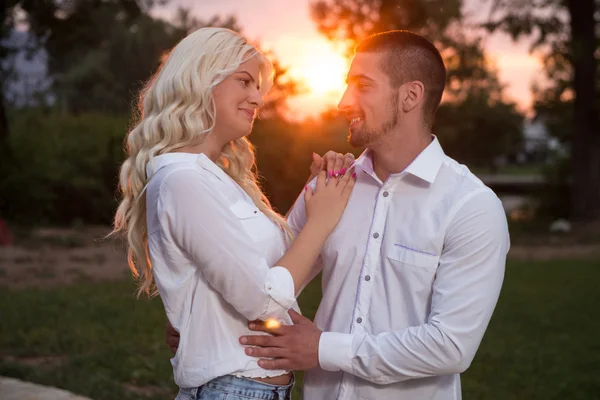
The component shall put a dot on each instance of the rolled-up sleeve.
(197, 218)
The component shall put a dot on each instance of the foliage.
(64, 168)
(566, 34)
(474, 113)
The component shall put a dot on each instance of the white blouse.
(212, 251)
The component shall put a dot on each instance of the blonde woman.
(198, 225)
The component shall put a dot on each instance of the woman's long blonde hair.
(177, 109)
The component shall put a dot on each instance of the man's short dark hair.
(410, 57)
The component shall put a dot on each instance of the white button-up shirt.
(212, 251)
(411, 276)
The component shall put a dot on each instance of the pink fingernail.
(243, 340)
(331, 173)
(354, 174)
(248, 351)
(306, 187)
(343, 171)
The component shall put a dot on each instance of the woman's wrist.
(318, 229)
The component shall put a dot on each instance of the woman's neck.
(209, 147)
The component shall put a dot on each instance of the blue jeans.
(229, 387)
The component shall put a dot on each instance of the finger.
(316, 165)
(350, 185)
(330, 157)
(260, 340)
(321, 180)
(345, 179)
(339, 165)
(308, 192)
(348, 161)
(280, 363)
(317, 160)
(275, 328)
(298, 318)
(270, 352)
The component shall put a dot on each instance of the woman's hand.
(326, 204)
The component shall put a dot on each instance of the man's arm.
(465, 293)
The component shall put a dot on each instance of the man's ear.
(413, 94)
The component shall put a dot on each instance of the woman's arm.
(200, 222)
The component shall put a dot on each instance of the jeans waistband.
(250, 388)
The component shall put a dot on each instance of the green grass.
(97, 340)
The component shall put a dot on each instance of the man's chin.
(357, 140)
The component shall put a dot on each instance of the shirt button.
(376, 235)
(359, 320)
(367, 278)
(386, 194)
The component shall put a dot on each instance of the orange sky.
(286, 27)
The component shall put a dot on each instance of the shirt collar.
(161, 161)
(425, 166)
(428, 163)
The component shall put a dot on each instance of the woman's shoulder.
(180, 178)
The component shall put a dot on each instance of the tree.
(473, 104)
(8, 18)
(567, 34)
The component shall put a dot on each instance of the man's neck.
(393, 155)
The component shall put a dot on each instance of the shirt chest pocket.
(400, 254)
(257, 225)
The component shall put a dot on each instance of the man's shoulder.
(460, 177)
(462, 186)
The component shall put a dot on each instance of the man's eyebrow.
(359, 77)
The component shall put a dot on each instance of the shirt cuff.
(335, 351)
(280, 286)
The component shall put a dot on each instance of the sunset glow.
(272, 324)
(324, 73)
(319, 67)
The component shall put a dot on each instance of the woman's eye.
(245, 81)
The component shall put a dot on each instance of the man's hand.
(335, 164)
(293, 347)
(171, 337)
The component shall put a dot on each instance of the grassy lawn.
(97, 340)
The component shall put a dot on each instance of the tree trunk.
(4, 149)
(585, 200)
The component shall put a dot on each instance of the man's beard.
(361, 138)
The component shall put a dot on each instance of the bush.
(64, 168)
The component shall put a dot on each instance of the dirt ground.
(48, 257)
(51, 256)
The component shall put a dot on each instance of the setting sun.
(319, 67)
(325, 74)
